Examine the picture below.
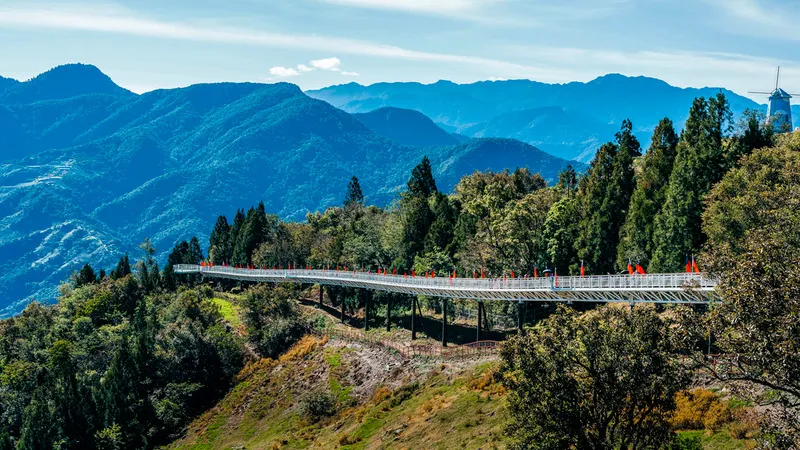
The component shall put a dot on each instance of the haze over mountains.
(89, 169)
(567, 120)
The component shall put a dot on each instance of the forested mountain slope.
(481, 109)
(88, 169)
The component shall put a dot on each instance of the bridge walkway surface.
(673, 288)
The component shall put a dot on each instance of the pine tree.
(422, 183)
(568, 179)
(195, 254)
(701, 160)
(606, 198)
(254, 231)
(236, 233)
(84, 276)
(441, 233)
(149, 274)
(354, 195)
(220, 248)
(123, 268)
(417, 213)
(636, 236)
(121, 400)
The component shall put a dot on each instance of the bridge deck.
(677, 288)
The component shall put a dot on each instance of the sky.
(150, 44)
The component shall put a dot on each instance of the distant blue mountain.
(6, 83)
(529, 110)
(405, 126)
(63, 82)
(88, 169)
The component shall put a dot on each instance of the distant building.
(779, 114)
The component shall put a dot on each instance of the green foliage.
(604, 379)
(318, 405)
(354, 195)
(183, 253)
(636, 235)
(421, 183)
(84, 276)
(702, 158)
(753, 225)
(123, 268)
(220, 245)
(273, 321)
(606, 194)
(108, 367)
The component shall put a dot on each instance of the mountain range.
(567, 120)
(89, 169)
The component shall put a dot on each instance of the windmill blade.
(778, 78)
(759, 92)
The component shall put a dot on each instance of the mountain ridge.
(88, 177)
(608, 99)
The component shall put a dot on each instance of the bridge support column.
(480, 320)
(521, 317)
(444, 322)
(342, 308)
(366, 309)
(413, 317)
(389, 312)
(321, 293)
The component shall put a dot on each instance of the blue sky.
(149, 44)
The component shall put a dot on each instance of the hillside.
(405, 126)
(476, 109)
(562, 132)
(6, 83)
(93, 171)
(383, 400)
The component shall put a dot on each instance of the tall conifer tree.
(219, 243)
(702, 159)
(605, 199)
(636, 236)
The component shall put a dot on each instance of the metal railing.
(653, 288)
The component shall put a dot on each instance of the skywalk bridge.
(674, 288)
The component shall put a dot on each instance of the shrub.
(686, 442)
(717, 416)
(692, 408)
(318, 405)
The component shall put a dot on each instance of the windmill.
(779, 113)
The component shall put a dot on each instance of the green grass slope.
(381, 402)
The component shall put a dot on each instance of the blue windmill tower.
(779, 114)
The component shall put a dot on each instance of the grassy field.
(229, 310)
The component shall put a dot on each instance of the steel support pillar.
(366, 309)
(321, 293)
(480, 320)
(413, 317)
(389, 312)
(342, 308)
(521, 317)
(444, 322)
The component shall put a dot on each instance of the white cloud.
(350, 74)
(304, 68)
(760, 18)
(327, 64)
(129, 24)
(280, 71)
(421, 6)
